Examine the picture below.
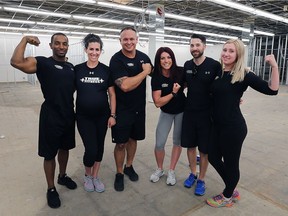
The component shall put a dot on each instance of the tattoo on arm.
(119, 81)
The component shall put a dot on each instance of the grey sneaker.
(171, 179)
(88, 183)
(156, 175)
(98, 185)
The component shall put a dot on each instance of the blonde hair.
(239, 70)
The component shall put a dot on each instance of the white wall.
(76, 54)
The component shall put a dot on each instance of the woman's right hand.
(176, 88)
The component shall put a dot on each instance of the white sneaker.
(156, 175)
(98, 185)
(88, 183)
(171, 179)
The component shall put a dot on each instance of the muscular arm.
(27, 65)
(274, 82)
(127, 84)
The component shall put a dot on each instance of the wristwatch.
(113, 116)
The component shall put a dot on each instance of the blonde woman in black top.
(230, 128)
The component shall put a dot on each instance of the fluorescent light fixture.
(11, 33)
(46, 30)
(215, 41)
(234, 5)
(128, 23)
(60, 25)
(33, 11)
(198, 32)
(221, 25)
(83, 1)
(119, 6)
(250, 10)
(102, 29)
(38, 35)
(17, 21)
(97, 19)
(179, 17)
(14, 28)
(240, 28)
(263, 33)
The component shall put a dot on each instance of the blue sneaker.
(200, 188)
(190, 180)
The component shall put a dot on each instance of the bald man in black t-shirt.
(129, 69)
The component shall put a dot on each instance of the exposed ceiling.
(200, 9)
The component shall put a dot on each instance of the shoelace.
(218, 197)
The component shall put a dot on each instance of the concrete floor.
(264, 174)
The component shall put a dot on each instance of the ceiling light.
(122, 7)
(12, 33)
(33, 11)
(84, 1)
(102, 29)
(17, 21)
(250, 10)
(46, 30)
(179, 17)
(14, 28)
(59, 25)
(97, 19)
(263, 33)
(198, 32)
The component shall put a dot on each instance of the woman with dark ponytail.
(93, 111)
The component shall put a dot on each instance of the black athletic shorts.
(129, 125)
(55, 132)
(196, 130)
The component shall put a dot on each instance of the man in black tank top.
(57, 120)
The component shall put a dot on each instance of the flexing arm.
(27, 65)
(112, 99)
(161, 101)
(127, 84)
(274, 82)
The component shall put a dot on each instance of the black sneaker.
(119, 182)
(53, 198)
(129, 171)
(67, 181)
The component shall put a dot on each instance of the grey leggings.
(164, 126)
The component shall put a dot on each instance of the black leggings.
(224, 153)
(92, 132)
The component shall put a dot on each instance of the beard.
(197, 54)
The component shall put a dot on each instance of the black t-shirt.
(165, 84)
(199, 79)
(57, 81)
(226, 96)
(92, 85)
(121, 66)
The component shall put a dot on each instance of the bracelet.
(113, 115)
(174, 94)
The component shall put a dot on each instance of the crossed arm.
(127, 84)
